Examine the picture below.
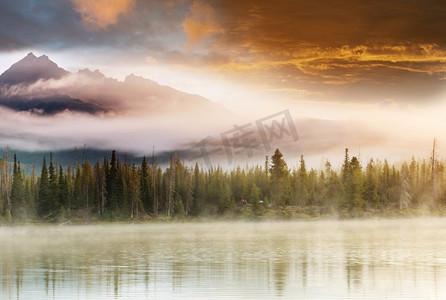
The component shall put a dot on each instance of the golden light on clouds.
(324, 59)
(98, 14)
(200, 23)
(345, 50)
(151, 60)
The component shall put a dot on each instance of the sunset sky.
(365, 75)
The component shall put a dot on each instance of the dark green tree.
(197, 192)
(303, 184)
(371, 195)
(53, 190)
(63, 189)
(278, 177)
(254, 199)
(355, 188)
(43, 201)
(218, 193)
(17, 193)
(77, 189)
(345, 171)
(114, 185)
(99, 187)
(145, 189)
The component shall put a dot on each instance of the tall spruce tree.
(254, 198)
(114, 185)
(303, 184)
(371, 195)
(197, 192)
(53, 192)
(43, 206)
(17, 193)
(355, 188)
(279, 174)
(99, 184)
(145, 190)
(63, 189)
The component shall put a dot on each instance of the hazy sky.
(380, 63)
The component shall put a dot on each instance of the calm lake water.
(385, 259)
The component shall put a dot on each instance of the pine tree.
(312, 182)
(33, 193)
(17, 193)
(183, 184)
(405, 195)
(43, 206)
(254, 198)
(135, 192)
(1, 194)
(158, 191)
(334, 191)
(303, 184)
(239, 184)
(103, 184)
(279, 174)
(114, 185)
(385, 185)
(414, 180)
(145, 192)
(218, 192)
(27, 194)
(123, 188)
(99, 190)
(197, 192)
(170, 187)
(355, 188)
(63, 189)
(5, 185)
(371, 195)
(53, 190)
(345, 171)
(77, 189)
(87, 184)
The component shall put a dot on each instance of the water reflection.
(351, 259)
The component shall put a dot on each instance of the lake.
(379, 259)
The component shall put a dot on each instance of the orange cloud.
(151, 60)
(98, 14)
(200, 23)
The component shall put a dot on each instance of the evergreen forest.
(115, 190)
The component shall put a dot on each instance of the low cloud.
(185, 134)
(136, 134)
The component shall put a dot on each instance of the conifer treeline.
(113, 189)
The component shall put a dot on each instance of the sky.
(353, 73)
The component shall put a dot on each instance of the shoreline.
(271, 216)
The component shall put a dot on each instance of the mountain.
(30, 69)
(38, 85)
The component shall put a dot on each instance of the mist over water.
(365, 259)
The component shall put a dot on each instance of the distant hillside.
(30, 159)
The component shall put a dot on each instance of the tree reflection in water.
(220, 261)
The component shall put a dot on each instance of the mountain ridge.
(37, 84)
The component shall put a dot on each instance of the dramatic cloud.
(343, 48)
(355, 56)
(98, 14)
(334, 51)
(200, 23)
